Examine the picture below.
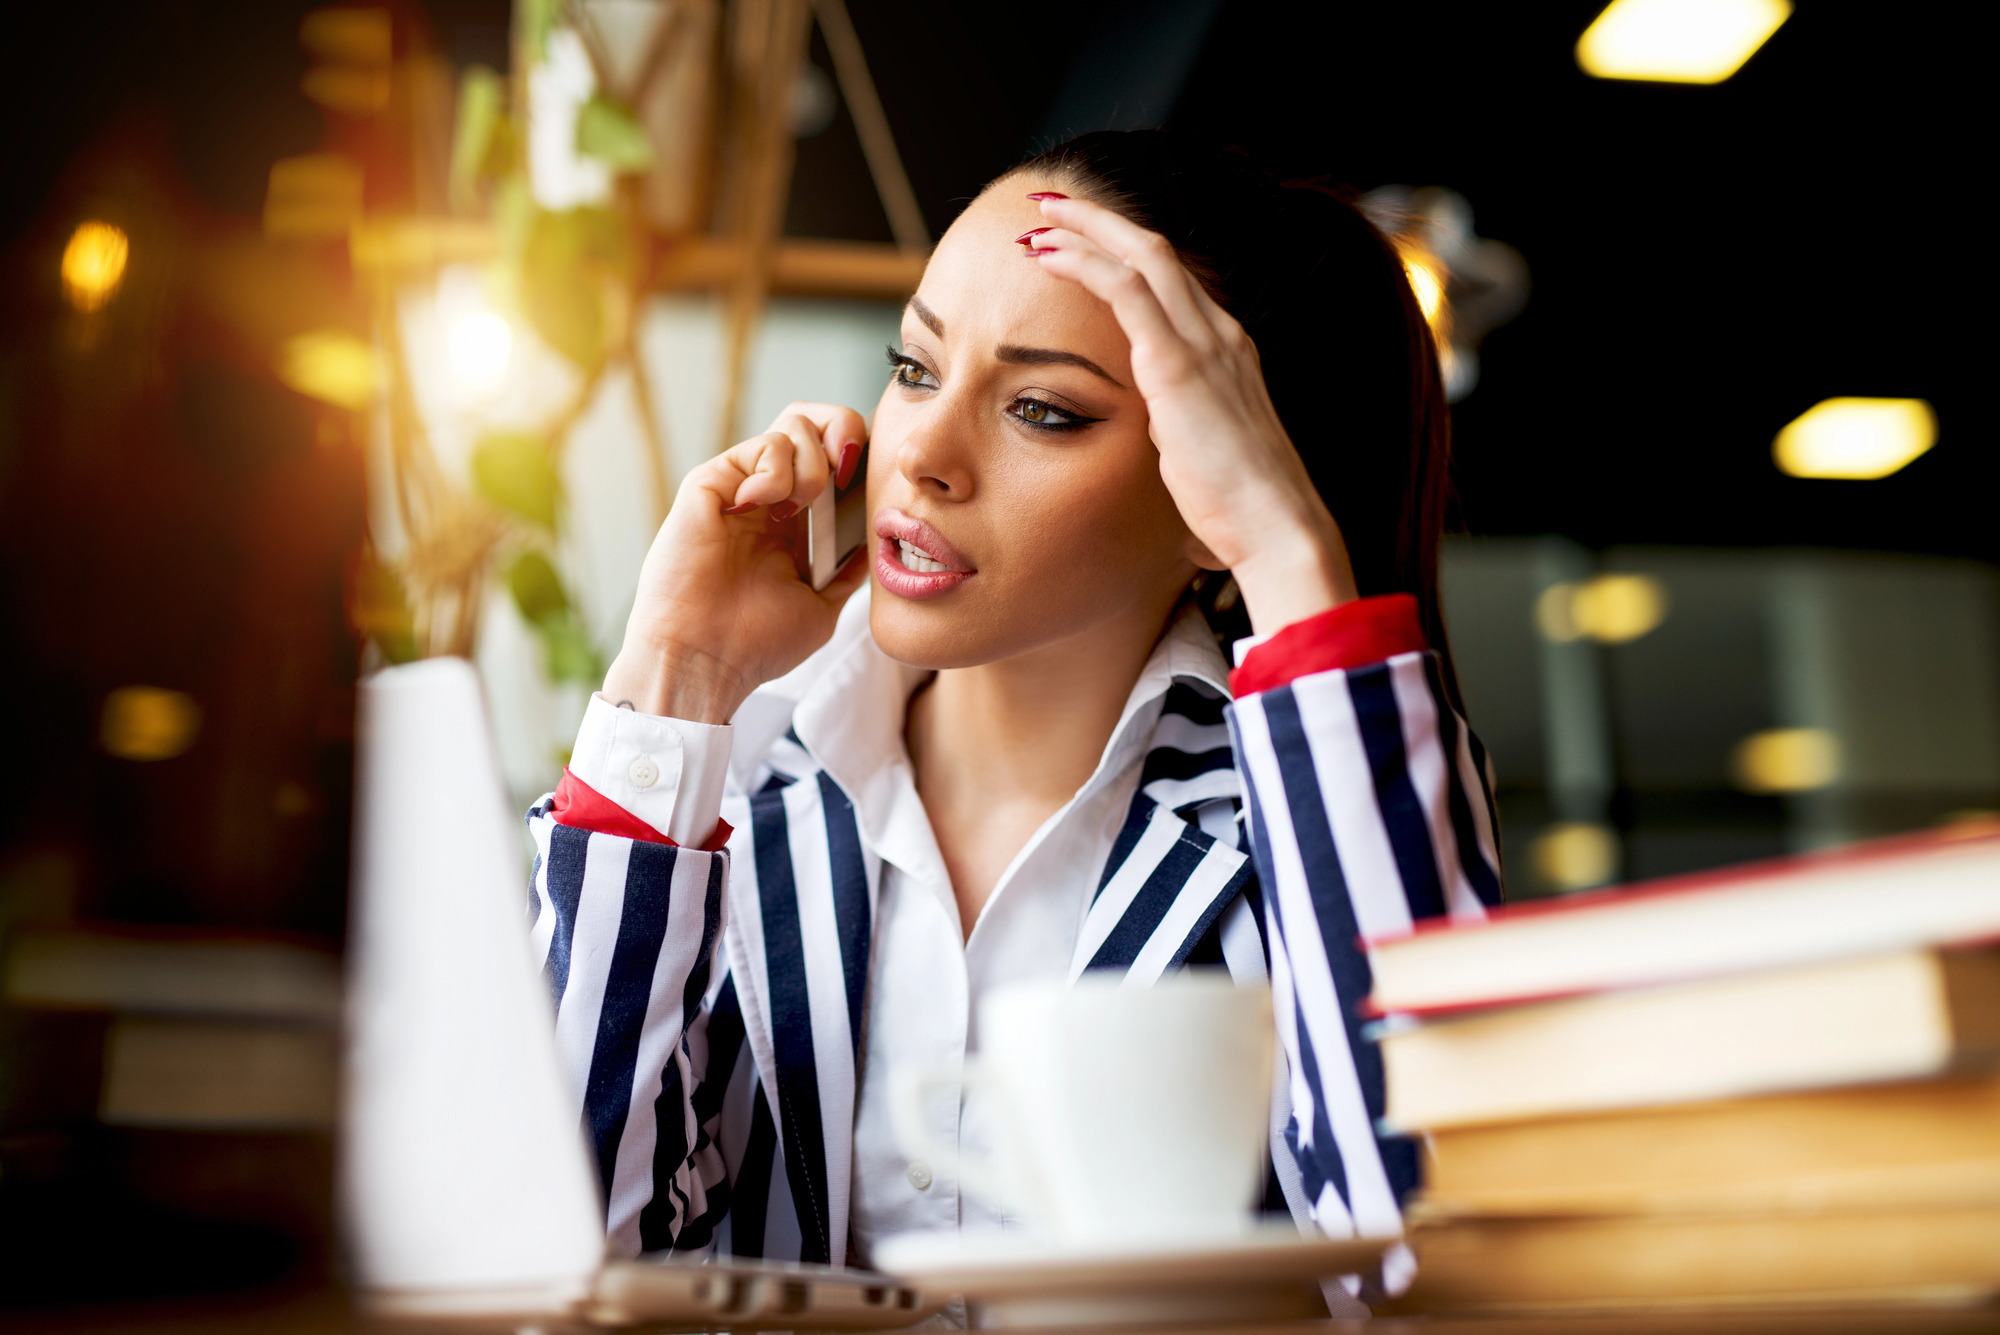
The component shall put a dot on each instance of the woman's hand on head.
(720, 607)
(1225, 457)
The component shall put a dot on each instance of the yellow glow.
(476, 348)
(1424, 282)
(1856, 438)
(148, 723)
(331, 366)
(348, 36)
(93, 264)
(1574, 855)
(313, 197)
(1611, 609)
(1677, 41)
(1786, 760)
(346, 89)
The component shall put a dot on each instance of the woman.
(802, 833)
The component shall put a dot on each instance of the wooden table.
(327, 1312)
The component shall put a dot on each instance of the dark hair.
(1349, 360)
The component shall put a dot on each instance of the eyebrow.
(927, 315)
(1013, 353)
(1019, 356)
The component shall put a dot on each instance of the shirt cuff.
(666, 772)
(1367, 630)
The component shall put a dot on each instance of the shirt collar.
(848, 702)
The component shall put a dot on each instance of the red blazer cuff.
(581, 807)
(1352, 635)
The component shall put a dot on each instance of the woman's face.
(1013, 492)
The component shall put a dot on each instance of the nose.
(932, 458)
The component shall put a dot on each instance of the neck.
(1000, 747)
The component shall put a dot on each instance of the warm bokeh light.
(476, 347)
(350, 91)
(93, 264)
(1611, 609)
(1856, 438)
(1786, 760)
(1425, 283)
(148, 723)
(1677, 41)
(1574, 855)
(313, 197)
(331, 366)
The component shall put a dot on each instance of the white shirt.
(926, 976)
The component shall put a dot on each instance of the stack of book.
(1779, 1084)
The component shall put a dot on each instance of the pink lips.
(892, 527)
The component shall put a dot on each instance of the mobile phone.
(836, 527)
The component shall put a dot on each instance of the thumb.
(849, 578)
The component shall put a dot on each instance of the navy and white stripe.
(710, 1006)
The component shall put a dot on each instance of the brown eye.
(1035, 412)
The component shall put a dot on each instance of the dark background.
(1707, 261)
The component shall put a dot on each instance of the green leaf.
(537, 589)
(473, 135)
(515, 472)
(570, 654)
(538, 593)
(607, 131)
(568, 259)
(538, 19)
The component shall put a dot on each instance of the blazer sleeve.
(1368, 808)
(626, 931)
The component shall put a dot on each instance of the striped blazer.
(710, 1005)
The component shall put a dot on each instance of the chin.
(945, 634)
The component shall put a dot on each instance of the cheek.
(1094, 527)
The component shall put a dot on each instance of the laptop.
(467, 1191)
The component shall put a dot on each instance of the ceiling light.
(1856, 438)
(1786, 760)
(1611, 609)
(1677, 41)
(1574, 855)
(93, 264)
(148, 723)
(331, 366)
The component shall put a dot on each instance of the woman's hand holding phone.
(1224, 455)
(720, 607)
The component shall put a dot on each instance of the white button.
(920, 1174)
(645, 773)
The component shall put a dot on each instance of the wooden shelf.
(799, 267)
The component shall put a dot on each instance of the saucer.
(1262, 1272)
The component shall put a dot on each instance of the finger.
(1179, 295)
(754, 472)
(811, 468)
(1118, 285)
(844, 431)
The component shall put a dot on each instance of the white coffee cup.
(1113, 1111)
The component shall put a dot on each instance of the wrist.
(674, 680)
(1287, 581)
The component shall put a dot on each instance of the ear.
(1197, 551)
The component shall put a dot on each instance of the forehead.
(988, 291)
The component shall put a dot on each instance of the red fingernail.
(783, 510)
(1027, 238)
(1041, 195)
(850, 455)
(742, 509)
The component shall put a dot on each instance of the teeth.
(917, 559)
